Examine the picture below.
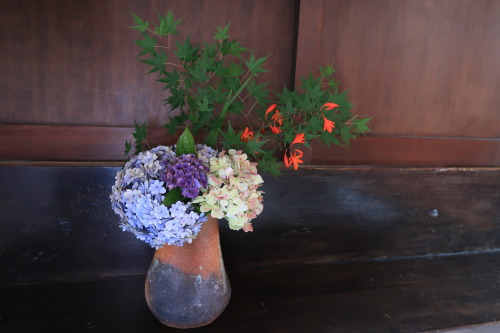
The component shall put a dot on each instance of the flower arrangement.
(163, 195)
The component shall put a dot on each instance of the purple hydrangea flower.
(187, 173)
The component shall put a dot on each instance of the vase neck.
(202, 256)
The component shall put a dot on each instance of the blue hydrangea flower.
(138, 193)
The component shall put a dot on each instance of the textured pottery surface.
(187, 286)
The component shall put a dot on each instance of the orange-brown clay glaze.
(187, 286)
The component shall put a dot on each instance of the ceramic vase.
(187, 286)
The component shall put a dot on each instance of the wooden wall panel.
(69, 62)
(421, 68)
(427, 71)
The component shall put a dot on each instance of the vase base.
(182, 300)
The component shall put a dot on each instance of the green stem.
(213, 133)
(230, 101)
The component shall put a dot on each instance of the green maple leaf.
(234, 70)
(314, 92)
(128, 147)
(199, 71)
(304, 101)
(157, 62)
(171, 23)
(271, 166)
(231, 139)
(315, 125)
(140, 24)
(140, 134)
(344, 106)
(255, 65)
(258, 91)
(171, 126)
(254, 147)
(213, 134)
(232, 47)
(361, 127)
(147, 44)
(288, 133)
(167, 24)
(175, 121)
(326, 71)
(309, 82)
(333, 84)
(346, 135)
(210, 49)
(329, 138)
(218, 95)
(171, 79)
(177, 99)
(203, 104)
(236, 107)
(231, 84)
(185, 51)
(222, 33)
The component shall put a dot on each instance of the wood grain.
(78, 143)
(310, 37)
(88, 143)
(366, 297)
(426, 70)
(57, 222)
(410, 151)
(420, 68)
(493, 327)
(70, 62)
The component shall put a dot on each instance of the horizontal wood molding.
(79, 143)
(87, 143)
(416, 151)
(70, 143)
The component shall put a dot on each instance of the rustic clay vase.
(187, 286)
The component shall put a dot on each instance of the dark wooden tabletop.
(414, 295)
(336, 250)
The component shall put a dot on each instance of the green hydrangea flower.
(232, 190)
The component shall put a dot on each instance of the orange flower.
(329, 106)
(270, 108)
(246, 135)
(295, 159)
(275, 129)
(299, 138)
(328, 125)
(277, 118)
(285, 159)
